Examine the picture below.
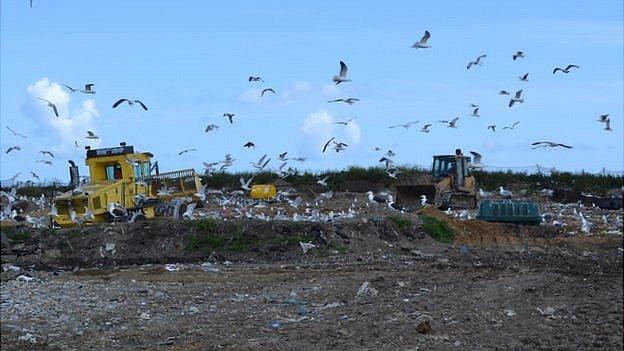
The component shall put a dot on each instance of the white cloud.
(297, 88)
(59, 133)
(330, 90)
(320, 126)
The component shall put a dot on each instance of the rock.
(423, 327)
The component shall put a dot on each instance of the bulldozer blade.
(408, 196)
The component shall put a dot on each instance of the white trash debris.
(306, 246)
(172, 267)
(145, 316)
(209, 267)
(10, 267)
(28, 337)
(548, 312)
(25, 278)
(110, 247)
(510, 313)
(365, 288)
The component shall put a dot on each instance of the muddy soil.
(376, 283)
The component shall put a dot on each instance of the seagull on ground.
(518, 54)
(512, 126)
(342, 77)
(484, 194)
(255, 79)
(544, 144)
(349, 101)
(524, 78)
(16, 133)
(52, 106)
(476, 62)
(425, 128)
(229, 116)
(517, 98)
(267, 90)
(504, 193)
(405, 125)
(91, 135)
(185, 151)
(565, 70)
(423, 200)
(130, 103)
(422, 43)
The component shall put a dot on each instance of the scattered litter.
(510, 313)
(457, 343)
(306, 246)
(365, 288)
(332, 305)
(145, 316)
(28, 338)
(292, 299)
(209, 267)
(25, 278)
(274, 324)
(168, 341)
(10, 267)
(423, 327)
(464, 250)
(110, 247)
(172, 267)
(193, 310)
(548, 312)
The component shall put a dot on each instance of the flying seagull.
(405, 125)
(185, 151)
(608, 125)
(34, 175)
(229, 116)
(340, 146)
(565, 70)
(23, 136)
(327, 144)
(49, 163)
(475, 112)
(425, 128)
(211, 127)
(260, 165)
(344, 123)
(130, 102)
(451, 124)
(603, 118)
(282, 156)
(492, 127)
(503, 92)
(422, 43)
(255, 79)
(266, 90)
(342, 77)
(91, 135)
(538, 144)
(88, 89)
(245, 184)
(518, 54)
(44, 152)
(474, 105)
(52, 106)
(349, 101)
(512, 126)
(524, 78)
(249, 144)
(517, 98)
(476, 62)
(476, 161)
(13, 148)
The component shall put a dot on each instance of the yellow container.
(263, 191)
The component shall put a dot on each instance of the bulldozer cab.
(455, 166)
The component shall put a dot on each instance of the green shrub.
(437, 229)
(402, 223)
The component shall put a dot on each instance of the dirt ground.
(370, 283)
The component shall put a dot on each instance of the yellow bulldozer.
(448, 185)
(121, 186)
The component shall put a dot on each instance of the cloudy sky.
(189, 62)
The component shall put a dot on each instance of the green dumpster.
(510, 211)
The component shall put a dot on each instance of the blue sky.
(189, 62)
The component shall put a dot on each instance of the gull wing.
(343, 69)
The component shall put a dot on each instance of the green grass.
(437, 229)
(16, 235)
(401, 222)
